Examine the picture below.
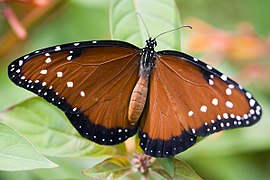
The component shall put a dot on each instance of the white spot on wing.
(48, 60)
(231, 86)
(69, 84)
(20, 62)
(44, 71)
(211, 82)
(228, 91)
(57, 48)
(69, 57)
(190, 113)
(252, 102)
(59, 74)
(248, 95)
(76, 44)
(221, 125)
(240, 87)
(215, 101)
(203, 108)
(209, 67)
(82, 93)
(225, 115)
(223, 77)
(229, 104)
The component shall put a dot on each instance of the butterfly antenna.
(165, 32)
(139, 14)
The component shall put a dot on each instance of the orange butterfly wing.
(188, 98)
(90, 81)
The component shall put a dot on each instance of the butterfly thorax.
(139, 94)
(147, 60)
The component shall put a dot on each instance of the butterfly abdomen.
(138, 99)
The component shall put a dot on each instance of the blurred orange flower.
(244, 45)
(247, 45)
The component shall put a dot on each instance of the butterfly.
(111, 89)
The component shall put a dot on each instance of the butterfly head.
(151, 43)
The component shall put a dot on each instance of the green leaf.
(49, 130)
(126, 25)
(184, 171)
(16, 153)
(167, 164)
(110, 168)
(171, 168)
(162, 173)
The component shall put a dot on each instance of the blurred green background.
(235, 154)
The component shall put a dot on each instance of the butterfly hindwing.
(90, 81)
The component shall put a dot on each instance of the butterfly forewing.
(90, 81)
(188, 98)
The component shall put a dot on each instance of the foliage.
(19, 154)
(32, 130)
